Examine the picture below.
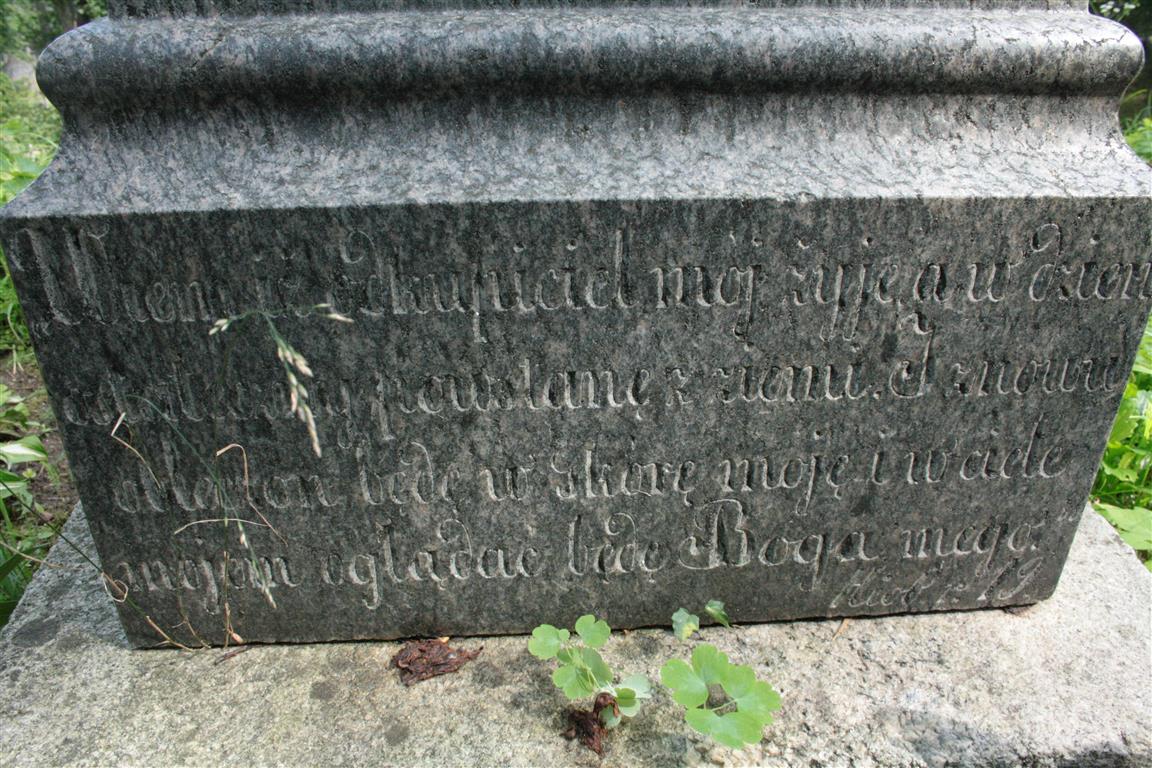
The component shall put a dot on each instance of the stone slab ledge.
(1062, 683)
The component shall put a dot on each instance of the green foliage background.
(1123, 489)
(29, 129)
(27, 26)
(28, 136)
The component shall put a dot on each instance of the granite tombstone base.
(522, 314)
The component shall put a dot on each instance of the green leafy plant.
(23, 541)
(582, 671)
(14, 417)
(29, 129)
(26, 26)
(1134, 525)
(1122, 493)
(1117, 10)
(715, 610)
(684, 624)
(1136, 119)
(1139, 136)
(722, 700)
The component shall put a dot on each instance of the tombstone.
(373, 319)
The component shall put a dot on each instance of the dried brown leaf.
(423, 659)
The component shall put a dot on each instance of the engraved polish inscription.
(792, 408)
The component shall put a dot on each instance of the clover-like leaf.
(601, 672)
(736, 729)
(688, 690)
(631, 693)
(575, 682)
(594, 633)
(547, 641)
(710, 663)
(754, 700)
(715, 609)
(627, 702)
(752, 696)
(639, 684)
(684, 623)
(738, 680)
(701, 720)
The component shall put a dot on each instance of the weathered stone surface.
(147, 8)
(820, 311)
(1062, 683)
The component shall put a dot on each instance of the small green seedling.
(715, 609)
(684, 624)
(740, 707)
(582, 671)
(722, 700)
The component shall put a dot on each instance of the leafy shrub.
(26, 26)
(1123, 487)
(1139, 135)
(25, 540)
(1117, 10)
(1138, 127)
(28, 136)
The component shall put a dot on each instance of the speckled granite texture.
(1062, 684)
(819, 310)
(145, 8)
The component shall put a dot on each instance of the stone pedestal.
(818, 309)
